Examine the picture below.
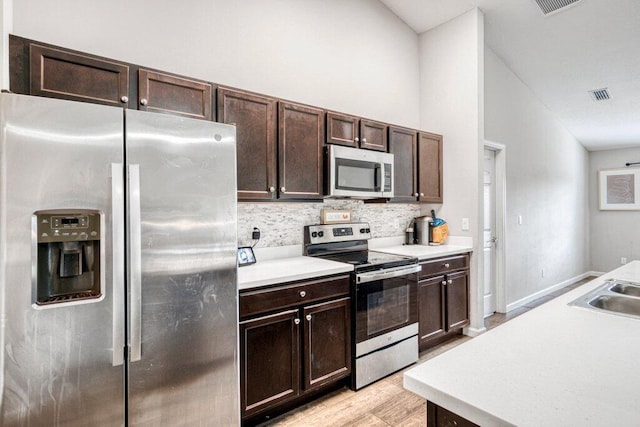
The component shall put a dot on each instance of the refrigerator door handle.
(135, 264)
(117, 282)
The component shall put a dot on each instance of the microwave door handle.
(378, 183)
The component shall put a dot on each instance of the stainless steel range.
(384, 299)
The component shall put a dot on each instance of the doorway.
(494, 165)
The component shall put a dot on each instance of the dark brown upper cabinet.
(300, 143)
(373, 135)
(57, 73)
(403, 144)
(343, 130)
(255, 119)
(169, 94)
(351, 131)
(430, 167)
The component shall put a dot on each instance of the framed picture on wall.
(619, 189)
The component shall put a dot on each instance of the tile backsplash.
(282, 224)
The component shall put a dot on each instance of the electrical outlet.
(623, 260)
(396, 223)
(519, 219)
(465, 224)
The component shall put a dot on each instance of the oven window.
(387, 309)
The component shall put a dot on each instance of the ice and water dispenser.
(67, 265)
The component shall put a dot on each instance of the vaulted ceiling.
(561, 56)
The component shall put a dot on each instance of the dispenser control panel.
(70, 227)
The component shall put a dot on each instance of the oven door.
(386, 300)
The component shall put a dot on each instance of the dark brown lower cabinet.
(437, 416)
(295, 351)
(443, 299)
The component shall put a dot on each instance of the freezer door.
(182, 305)
(60, 363)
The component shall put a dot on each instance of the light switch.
(519, 219)
(465, 224)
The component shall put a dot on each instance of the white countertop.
(556, 365)
(280, 264)
(281, 270)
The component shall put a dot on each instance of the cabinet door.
(165, 93)
(403, 145)
(373, 135)
(57, 73)
(457, 299)
(430, 167)
(431, 306)
(300, 142)
(327, 342)
(269, 361)
(255, 119)
(342, 130)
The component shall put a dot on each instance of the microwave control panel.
(388, 171)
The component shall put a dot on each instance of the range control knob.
(320, 233)
(314, 234)
(367, 230)
(363, 230)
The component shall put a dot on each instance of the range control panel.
(314, 234)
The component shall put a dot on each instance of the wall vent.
(600, 94)
(552, 6)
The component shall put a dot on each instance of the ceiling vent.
(552, 6)
(600, 94)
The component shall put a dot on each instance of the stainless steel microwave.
(361, 174)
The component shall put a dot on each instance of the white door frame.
(501, 206)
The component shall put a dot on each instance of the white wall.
(614, 234)
(451, 92)
(353, 56)
(547, 185)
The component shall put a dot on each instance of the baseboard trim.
(547, 291)
(473, 332)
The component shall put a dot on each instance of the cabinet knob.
(124, 99)
(449, 282)
(364, 140)
(303, 294)
(308, 317)
(283, 190)
(421, 194)
(272, 189)
(296, 321)
(415, 194)
(143, 101)
(447, 265)
(357, 139)
(444, 282)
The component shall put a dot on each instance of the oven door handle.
(387, 274)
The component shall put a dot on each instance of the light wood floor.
(387, 403)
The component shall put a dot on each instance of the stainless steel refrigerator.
(118, 292)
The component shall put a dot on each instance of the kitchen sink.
(614, 296)
(626, 289)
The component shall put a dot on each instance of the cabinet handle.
(357, 139)
(444, 282)
(143, 101)
(296, 321)
(283, 190)
(421, 194)
(446, 265)
(124, 99)
(303, 294)
(272, 189)
(415, 194)
(449, 282)
(308, 317)
(364, 140)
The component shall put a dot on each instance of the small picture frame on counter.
(246, 256)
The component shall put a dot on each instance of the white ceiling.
(592, 44)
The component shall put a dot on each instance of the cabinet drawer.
(444, 265)
(265, 300)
